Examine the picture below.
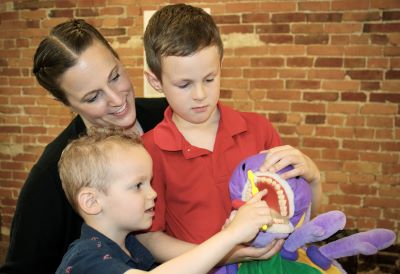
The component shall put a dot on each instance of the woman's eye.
(91, 99)
(210, 80)
(115, 78)
(139, 185)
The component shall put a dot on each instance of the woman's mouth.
(122, 110)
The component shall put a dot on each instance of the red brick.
(315, 119)
(386, 27)
(308, 107)
(343, 27)
(226, 29)
(272, 28)
(385, 122)
(257, 73)
(378, 109)
(380, 157)
(320, 96)
(385, 97)
(365, 74)
(368, 85)
(363, 51)
(294, 50)
(299, 62)
(314, 6)
(278, 6)
(283, 94)
(360, 145)
(347, 199)
(350, 5)
(361, 16)
(354, 62)
(342, 39)
(267, 62)
(345, 85)
(328, 62)
(226, 19)
(325, 50)
(379, 39)
(391, 15)
(311, 39)
(278, 118)
(381, 202)
(262, 84)
(255, 18)
(276, 39)
(302, 84)
(353, 96)
(308, 28)
(61, 13)
(380, 4)
(288, 17)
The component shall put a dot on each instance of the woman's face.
(99, 89)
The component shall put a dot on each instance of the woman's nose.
(115, 98)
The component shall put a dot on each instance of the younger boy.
(106, 178)
(199, 143)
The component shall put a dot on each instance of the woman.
(77, 66)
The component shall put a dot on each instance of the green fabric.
(276, 265)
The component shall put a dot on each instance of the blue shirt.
(95, 253)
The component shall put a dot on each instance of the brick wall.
(326, 73)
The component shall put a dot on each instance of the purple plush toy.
(290, 203)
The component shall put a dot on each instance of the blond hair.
(84, 162)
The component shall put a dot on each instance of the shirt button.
(188, 150)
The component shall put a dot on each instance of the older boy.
(199, 143)
(106, 177)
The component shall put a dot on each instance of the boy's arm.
(201, 259)
(282, 156)
(162, 246)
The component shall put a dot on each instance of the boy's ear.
(153, 80)
(88, 201)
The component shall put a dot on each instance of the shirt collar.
(89, 233)
(167, 136)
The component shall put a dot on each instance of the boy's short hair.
(85, 161)
(179, 30)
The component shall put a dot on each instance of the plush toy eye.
(244, 166)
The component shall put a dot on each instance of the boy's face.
(191, 85)
(129, 200)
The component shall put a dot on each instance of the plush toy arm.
(318, 229)
(366, 243)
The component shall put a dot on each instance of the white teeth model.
(284, 203)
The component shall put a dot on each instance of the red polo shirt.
(193, 199)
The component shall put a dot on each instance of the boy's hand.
(282, 156)
(250, 218)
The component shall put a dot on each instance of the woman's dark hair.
(60, 50)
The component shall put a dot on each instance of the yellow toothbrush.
(254, 191)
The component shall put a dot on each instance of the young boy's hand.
(248, 220)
